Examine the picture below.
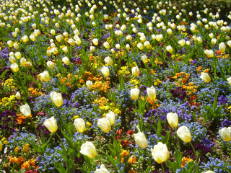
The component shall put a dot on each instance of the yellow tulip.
(184, 134)
(56, 98)
(51, 124)
(88, 149)
(160, 153)
(79, 124)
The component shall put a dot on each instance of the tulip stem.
(162, 166)
(194, 151)
(47, 142)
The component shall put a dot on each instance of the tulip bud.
(144, 59)
(106, 45)
(205, 77)
(52, 31)
(134, 93)
(105, 71)
(50, 64)
(56, 98)
(184, 134)
(10, 43)
(12, 59)
(151, 92)
(92, 48)
(229, 43)
(108, 60)
(209, 53)
(32, 37)
(225, 133)
(64, 49)
(169, 49)
(127, 46)
(25, 110)
(172, 119)
(51, 124)
(104, 124)
(79, 124)
(117, 46)
(102, 169)
(95, 41)
(18, 95)
(88, 149)
(229, 80)
(59, 38)
(169, 31)
(213, 41)
(14, 67)
(208, 171)
(44, 76)
(128, 37)
(89, 83)
(141, 140)
(111, 117)
(140, 46)
(160, 153)
(147, 45)
(181, 42)
(135, 71)
(25, 39)
(66, 60)
(77, 40)
(158, 37)
(18, 55)
(222, 47)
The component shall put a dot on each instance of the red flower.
(130, 132)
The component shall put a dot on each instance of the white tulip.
(95, 41)
(51, 124)
(44, 76)
(140, 140)
(111, 117)
(225, 133)
(205, 77)
(102, 169)
(79, 124)
(88, 149)
(105, 71)
(135, 71)
(56, 98)
(151, 92)
(229, 80)
(104, 124)
(25, 110)
(134, 93)
(184, 134)
(172, 119)
(160, 153)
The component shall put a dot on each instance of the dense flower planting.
(115, 86)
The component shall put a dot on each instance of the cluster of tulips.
(115, 86)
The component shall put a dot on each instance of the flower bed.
(115, 86)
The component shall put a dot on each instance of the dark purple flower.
(205, 145)
(4, 53)
(75, 104)
(78, 47)
(194, 61)
(76, 60)
(179, 93)
(132, 15)
(106, 36)
(222, 100)
(225, 123)
(181, 51)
